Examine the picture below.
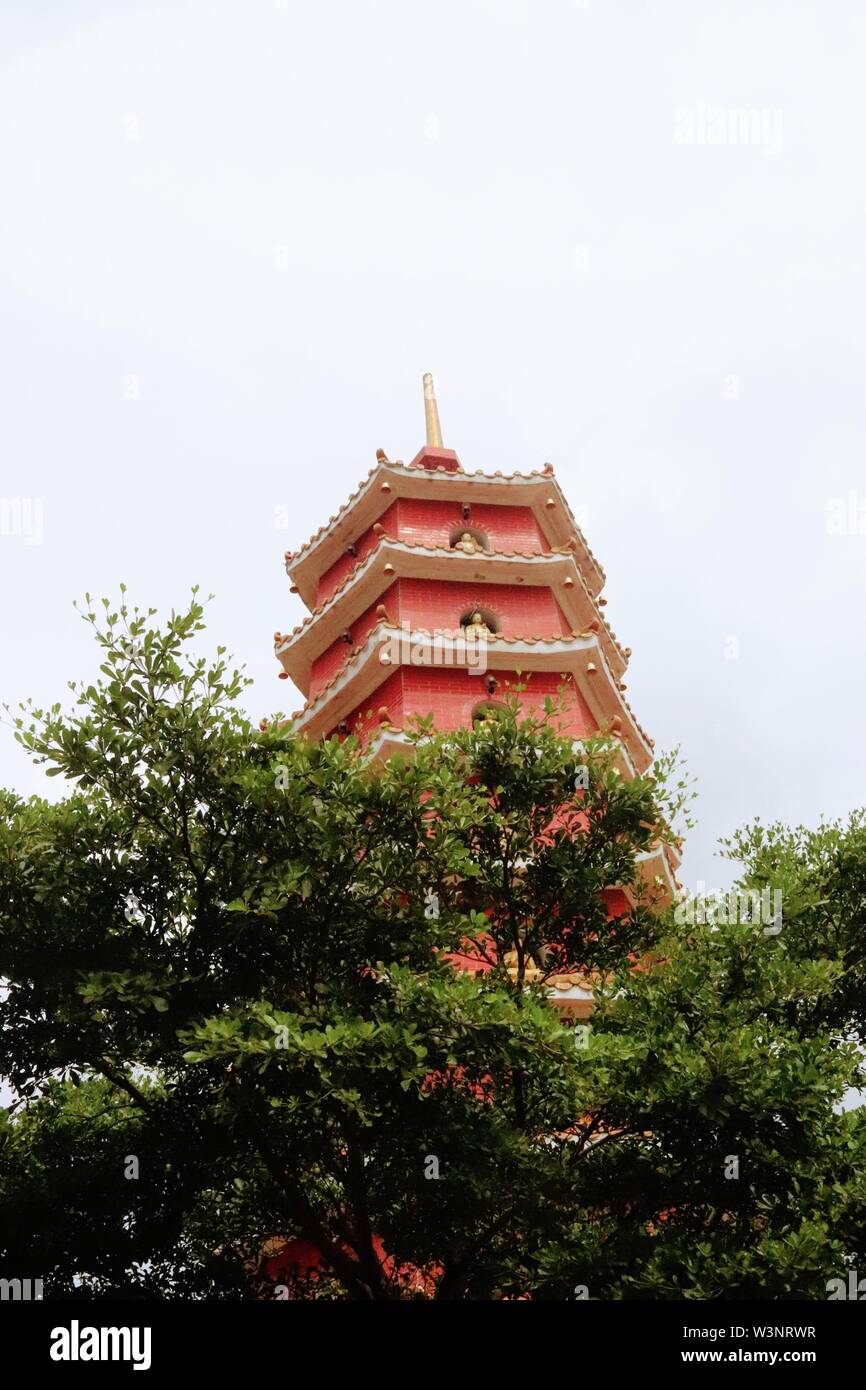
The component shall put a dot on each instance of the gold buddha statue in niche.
(469, 544)
(476, 627)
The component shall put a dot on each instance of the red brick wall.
(522, 611)
(439, 603)
(428, 522)
(332, 658)
(327, 665)
(364, 720)
(510, 528)
(432, 522)
(367, 541)
(451, 696)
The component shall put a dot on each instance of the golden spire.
(431, 414)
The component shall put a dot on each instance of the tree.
(234, 1020)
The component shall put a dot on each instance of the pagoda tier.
(422, 555)
(536, 519)
(531, 591)
(399, 672)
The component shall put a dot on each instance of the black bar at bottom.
(271, 1341)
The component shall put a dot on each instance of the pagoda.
(426, 568)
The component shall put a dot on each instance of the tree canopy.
(233, 1022)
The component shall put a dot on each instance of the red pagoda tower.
(440, 591)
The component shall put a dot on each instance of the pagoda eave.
(407, 560)
(580, 657)
(388, 482)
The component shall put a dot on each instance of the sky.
(626, 236)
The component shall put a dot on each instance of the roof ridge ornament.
(433, 455)
(431, 413)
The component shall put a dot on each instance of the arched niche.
(488, 617)
(457, 540)
(488, 711)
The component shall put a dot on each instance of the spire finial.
(431, 414)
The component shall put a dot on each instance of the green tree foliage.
(233, 1018)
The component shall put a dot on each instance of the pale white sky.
(235, 234)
